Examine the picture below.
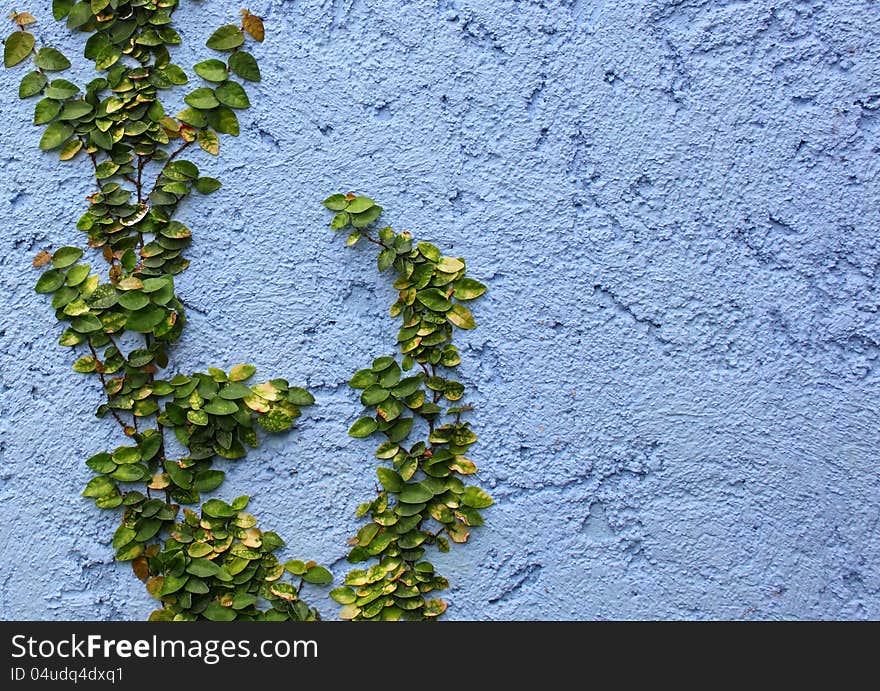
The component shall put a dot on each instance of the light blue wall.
(674, 204)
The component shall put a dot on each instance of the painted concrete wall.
(674, 203)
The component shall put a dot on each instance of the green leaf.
(192, 117)
(362, 220)
(390, 375)
(197, 417)
(335, 202)
(202, 568)
(389, 409)
(318, 575)
(362, 379)
(61, 89)
(212, 70)
(461, 316)
(468, 288)
(66, 256)
(374, 394)
(130, 551)
(87, 323)
(275, 421)
(232, 94)
(295, 566)
(359, 204)
(46, 110)
(51, 60)
(235, 390)
(476, 498)
(429, 251)
(50, 281)
(389, 479)
(220, 406)
(18, 47)
(182, 477)
(339, 221)
(148, 529)
(100, 486)
(133, 300)
(107, 57)
(366, 534)
(122, 536)
(61, 8)
(182, 170)
(215, 508)
(433, 299)
(202, 98)
(74, 110)
(217, 612)
(175, 75)
(32, 84)
(385, 259)
(284, 590)
(434, 608)
(129, 473)
(173, 583)
(55, 135)
(387, 450)
(101, 463)
(363, 428)
(415, 494)
(227, 37)
(243, 600)
(380, 364)
(299, 396)
(77, 274)
(400, 430)
(80, 14)
(208, 185)
(244, 65)
(126, 455)
(224, 121)
(104, 297)
(343, 595)
(208, 480)
(145, 320)
(450, 265)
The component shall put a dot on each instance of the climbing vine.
(212, 561)
(423, 499)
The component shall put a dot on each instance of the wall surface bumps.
(675, 206)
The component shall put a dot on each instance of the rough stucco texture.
(674, 204)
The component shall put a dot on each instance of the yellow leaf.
(70, 149)
(209, 142)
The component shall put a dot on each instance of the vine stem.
(370, 238)
(99, 368)
(174, 154)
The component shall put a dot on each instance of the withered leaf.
(253, 25)
(42, 259)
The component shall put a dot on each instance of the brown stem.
(91, 154)
(99, 369)
(180, 149)
(139, 183)
(370, 238)
(113, 343)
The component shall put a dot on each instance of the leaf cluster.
(423, 500)
(215, 564)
